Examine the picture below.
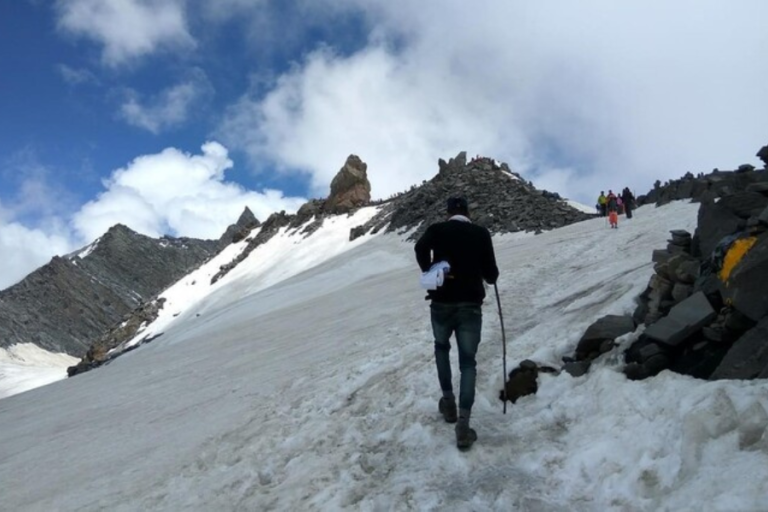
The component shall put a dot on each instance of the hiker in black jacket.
(456, 304)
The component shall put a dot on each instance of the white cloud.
(168, 193)
(589, 95)
(74, 76)
(25, 249)
(176, 193)
(169, 108)
(127, 29)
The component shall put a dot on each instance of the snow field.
(319, 392)
(26, 366)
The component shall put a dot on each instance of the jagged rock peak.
(350, 187)
(247, 219)
(454, 164)
(120, 230)
(241, 229)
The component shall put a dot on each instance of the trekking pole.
(503, 344)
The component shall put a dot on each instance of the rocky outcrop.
(707, 303)
(112, 343)
(239, 230)
(703, 187)
(71, 301)
(499, 199)
(350, 188)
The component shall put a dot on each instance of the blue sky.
(170, 116)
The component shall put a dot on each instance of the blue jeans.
(465, 319)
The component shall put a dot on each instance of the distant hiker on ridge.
(628, 198)
(601, 201)
(456, 256)
(613, 209)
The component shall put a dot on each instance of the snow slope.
(27, 366)
(318, 392)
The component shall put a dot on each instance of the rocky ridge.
(705, 187)
(66, 304)
(499, 199)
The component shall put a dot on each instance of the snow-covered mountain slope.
(319, 393)
(26, 366)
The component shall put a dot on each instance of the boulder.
(683, 320)
(608, 328)
(350, 187)
(748, 357)
(522, 381)
(747, 285)
(715, 222)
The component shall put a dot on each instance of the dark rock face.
(65, 305)
(499, 200)
(350, 187)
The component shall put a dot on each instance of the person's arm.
(424, 249)
(490, 270)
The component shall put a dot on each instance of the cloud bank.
(578, 96)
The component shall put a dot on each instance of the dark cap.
(457, 205)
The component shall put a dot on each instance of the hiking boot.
(447, 407)
(465, 436)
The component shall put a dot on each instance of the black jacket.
(468, 249)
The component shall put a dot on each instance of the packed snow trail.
(319, 393)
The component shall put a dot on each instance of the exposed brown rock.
(350, 187)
